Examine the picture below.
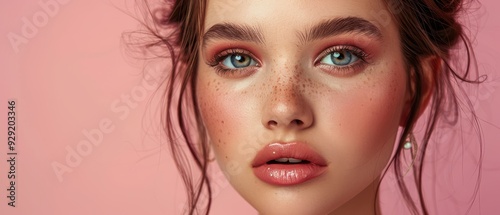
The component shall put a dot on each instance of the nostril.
(297, 122)
(272, 123)
(293, 123)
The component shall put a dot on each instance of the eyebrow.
(231, 31)
(338, 26)
(331, 27)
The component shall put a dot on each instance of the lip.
(288, 174)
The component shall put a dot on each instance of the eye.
(343, 60)
(340, 58)
(236, 61)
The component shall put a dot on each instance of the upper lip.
(297, 150)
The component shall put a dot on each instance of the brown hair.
(426, 28)
(431, 28)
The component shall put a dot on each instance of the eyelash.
(343, 70)
(216, 61)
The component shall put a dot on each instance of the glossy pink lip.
(288, 174)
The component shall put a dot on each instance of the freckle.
(222, 121)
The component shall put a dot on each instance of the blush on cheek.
(386, 112)
(222, 120)
(218, 112)
(210, 114)
(377, 109)
(214, 125)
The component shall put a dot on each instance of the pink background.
(72, 75)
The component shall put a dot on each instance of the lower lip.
(288, 174)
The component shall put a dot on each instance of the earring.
(211, 156)
(212, 159)
(411, 145)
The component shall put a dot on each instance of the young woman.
(306, 105)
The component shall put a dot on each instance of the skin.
(349, 116)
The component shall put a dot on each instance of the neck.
(364, 203)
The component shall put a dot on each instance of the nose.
(287, 108)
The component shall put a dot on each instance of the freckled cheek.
(211, 113)
(223, 117)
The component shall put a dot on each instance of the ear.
(431, 66)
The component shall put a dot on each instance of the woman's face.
(302, 100)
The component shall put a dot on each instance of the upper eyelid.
(228, 52)
(353, 49)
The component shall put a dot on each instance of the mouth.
(286, 164)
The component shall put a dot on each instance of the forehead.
(281, 16)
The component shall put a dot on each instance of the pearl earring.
(411, 144)
(407, 145)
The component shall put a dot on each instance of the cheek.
(222, 113)
(367, 118)
(208, 96)
(232, 127)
